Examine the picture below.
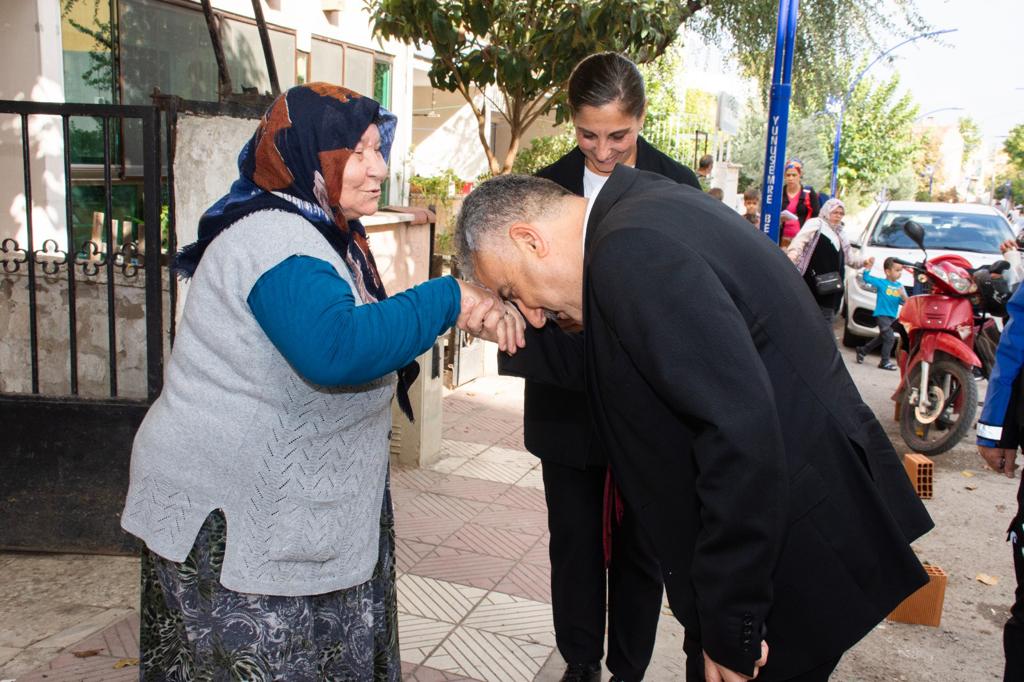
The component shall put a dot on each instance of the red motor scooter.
(942, 328)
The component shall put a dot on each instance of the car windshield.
(943, 230)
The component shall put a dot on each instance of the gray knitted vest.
(298, 469)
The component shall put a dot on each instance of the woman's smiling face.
(607, 135)
(364, 172)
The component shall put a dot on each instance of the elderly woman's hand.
(486, 316)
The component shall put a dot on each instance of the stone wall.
(52, 301)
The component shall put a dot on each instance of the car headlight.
(862, 285)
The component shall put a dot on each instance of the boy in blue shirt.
(891, 295)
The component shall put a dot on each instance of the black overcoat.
(556, 427)
(773, 497)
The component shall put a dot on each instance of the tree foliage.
(1014, 147)
(526, 48)
(970, 131)
(877, 138)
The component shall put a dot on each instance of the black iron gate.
(67, 414)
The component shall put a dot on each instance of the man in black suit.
(777, 507)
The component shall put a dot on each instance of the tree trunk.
(224, 86)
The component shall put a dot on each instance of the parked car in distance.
(973, 231)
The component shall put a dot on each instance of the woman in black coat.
(608, 105)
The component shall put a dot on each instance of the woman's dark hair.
(607, 77)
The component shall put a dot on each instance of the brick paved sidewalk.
(473, 574)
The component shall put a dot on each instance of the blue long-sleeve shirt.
(1009, 361)
(309, 313)
(888, 300)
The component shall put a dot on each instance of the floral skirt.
(193, 629)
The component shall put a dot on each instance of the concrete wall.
(92, 338)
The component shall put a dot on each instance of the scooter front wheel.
(935, 423)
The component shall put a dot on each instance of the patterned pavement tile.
(446, 465)
(408, 552)
(523, 497)
(529, 580)
(489, 656)
(539, 554)
(115, 642)
(400, 497)
(491, 471)
(478, 489)
(491, 541)
(444, 506)
(416, 479)
(511, 518)
(499, 421)
(419, 636)
(425, 674)
(513, 440)
(436, 599)
(532, 479)
(428, 529)
(470, 434)
(513, 616)
(463, 567)
(457, 405)
(461, 448)
(501, 455)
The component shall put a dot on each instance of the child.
(891, 295)
(752, 204)
(717, 192)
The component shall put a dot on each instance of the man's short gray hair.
(494, 205)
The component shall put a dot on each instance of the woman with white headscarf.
(821, 251)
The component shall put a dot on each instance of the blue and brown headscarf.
(294, 162)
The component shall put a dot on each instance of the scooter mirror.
(915, 232)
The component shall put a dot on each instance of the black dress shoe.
(582, 672)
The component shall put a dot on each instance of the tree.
(970, 131)
(528, 48)
(524, 47)
(1014, 147)
(803, 141)
(877, 140)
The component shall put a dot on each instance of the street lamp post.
(935, 111)
(840, 104)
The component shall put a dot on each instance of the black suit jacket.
(556, 426)
(773, 497)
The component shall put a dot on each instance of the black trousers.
(575, 499)
(1013, 632)
(695, 665)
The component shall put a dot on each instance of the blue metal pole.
(778, 118)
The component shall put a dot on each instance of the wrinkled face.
(535, 284)
(836, 216)
(607, 135)
(364, 172)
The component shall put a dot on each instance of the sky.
(979, 68)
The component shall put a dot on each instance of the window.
(301, 67)
(88, 71)
(327, 60)
(246, 63)
(382, 83)
(359, 71)
(980, 233)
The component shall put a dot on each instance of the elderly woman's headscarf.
(829, 206)
(294, 162)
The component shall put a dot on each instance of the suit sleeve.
(1000, 398)
(693, 347)
(551, 356)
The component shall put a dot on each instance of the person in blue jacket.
(888, 300)
(999, 438)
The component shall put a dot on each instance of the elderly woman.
(820, 252)
(259, 477)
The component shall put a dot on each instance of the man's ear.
(528, 238)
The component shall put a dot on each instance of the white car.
(973, 231)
